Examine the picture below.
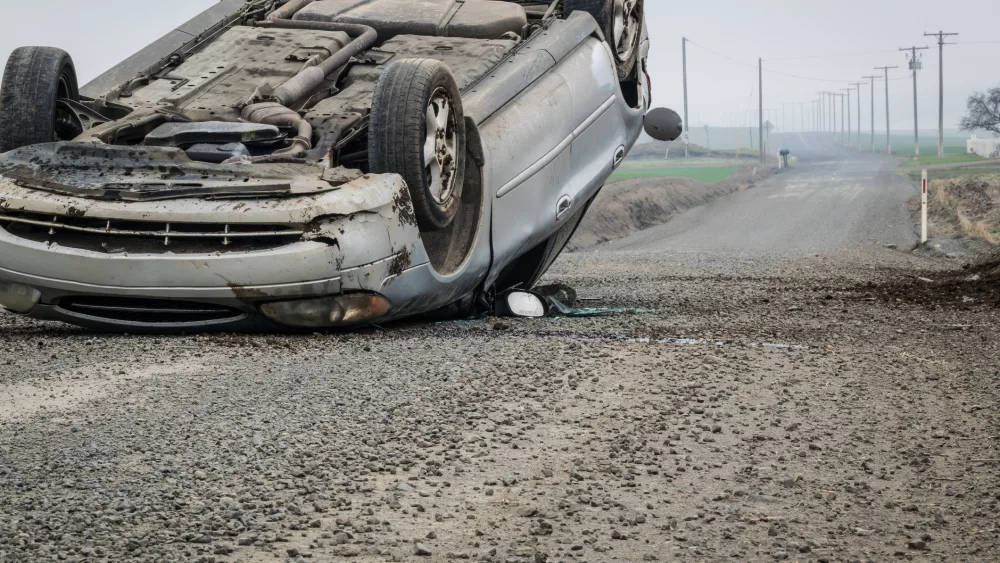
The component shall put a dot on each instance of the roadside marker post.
(923, 208)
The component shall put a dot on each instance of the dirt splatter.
(402, 205)
(245, 294)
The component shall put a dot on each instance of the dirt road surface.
(774, 382)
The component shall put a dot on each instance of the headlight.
(328, 312)
(18, 298)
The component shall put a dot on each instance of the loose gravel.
(806, 417)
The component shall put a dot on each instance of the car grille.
(148, 311)
(116, 236)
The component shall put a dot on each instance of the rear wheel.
(417, 130)
(35, 80)
(621, 23)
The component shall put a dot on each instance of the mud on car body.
(313, 163)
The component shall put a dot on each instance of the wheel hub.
(440, 146)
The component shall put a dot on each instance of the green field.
(730, 138)
(705, 174)
(928, 160)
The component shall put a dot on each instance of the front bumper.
(356, 239)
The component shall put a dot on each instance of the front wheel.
(621, 23)
(34, 81)
(417, 130)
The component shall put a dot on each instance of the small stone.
(421, 550)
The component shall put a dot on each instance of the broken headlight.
(18, 298)
(328, 312)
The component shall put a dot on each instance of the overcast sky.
(99, 33)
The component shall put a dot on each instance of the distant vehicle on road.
(315, 163)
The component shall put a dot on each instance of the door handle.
(619, 156)
(563, 206)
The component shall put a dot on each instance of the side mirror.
(525, 304)
(663, 124)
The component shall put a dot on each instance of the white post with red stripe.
(923, 208)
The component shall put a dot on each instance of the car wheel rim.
(627, 26)
(440, 147)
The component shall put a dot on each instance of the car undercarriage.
(306, 164)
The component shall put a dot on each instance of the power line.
(829, 56)
(778, 72)
(723, 56)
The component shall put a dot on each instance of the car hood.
(140, 173)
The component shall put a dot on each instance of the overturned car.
(315, 163)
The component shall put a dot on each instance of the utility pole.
(820, 112)
(858, 85)
(687, 135)
(872, 79)
(833, 114)
(842, 128)
(888, 138)
(915, 65)
(941, 43)
(850, 139)
(760, 90)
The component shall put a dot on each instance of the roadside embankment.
(629, 206)
(965, 207)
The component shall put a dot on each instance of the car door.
(599, 138)
(527, 145)
(544, 149)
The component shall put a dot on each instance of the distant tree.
(984, 112)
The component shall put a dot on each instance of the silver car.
(314, 163)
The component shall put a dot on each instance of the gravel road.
(770, 388)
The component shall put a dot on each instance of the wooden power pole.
(915, 65)
(941, 43)
(760, 90)
(687, 134)
(850, 139)
(858, 85)
(888, 129)
(872, 79)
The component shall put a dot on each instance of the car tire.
(417, 130)
(624, 42)
(34, 80)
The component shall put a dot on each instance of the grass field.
(928, 160)
(658, 169)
